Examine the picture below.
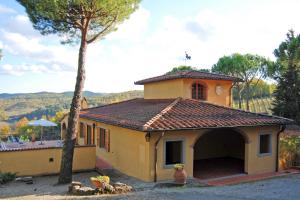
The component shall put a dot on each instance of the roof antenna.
(187, 57)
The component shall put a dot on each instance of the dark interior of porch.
(219, 153)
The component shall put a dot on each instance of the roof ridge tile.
(161, 113)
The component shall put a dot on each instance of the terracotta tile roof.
(30, 145)
(176, 114)
(189, 74)
(26, 146)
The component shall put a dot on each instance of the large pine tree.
(287, 93)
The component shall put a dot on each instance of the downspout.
(155, 156)
(282, 128)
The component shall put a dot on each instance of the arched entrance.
(218, 153)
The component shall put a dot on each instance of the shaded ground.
(217, 167)
(284, 188)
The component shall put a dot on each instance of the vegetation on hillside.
(257, 105)
(36, 105)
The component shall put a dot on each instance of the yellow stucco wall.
(129, 151)
(182, 88)
(36, 162)
(257, 163)
(164, 89)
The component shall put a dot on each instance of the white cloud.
(139, 51)
(133, 28)
(6, 10)
(21, 24)
(18, 70)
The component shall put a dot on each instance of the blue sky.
(150, 43)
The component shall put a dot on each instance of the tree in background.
(186, 68)
(22, 126)
(5, 130)
(83, 22)
(258, 89)
(3, 116)
(247, 67)
(1, 55)
(287, 93)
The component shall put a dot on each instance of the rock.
(108, 188)
(76, 183)
(73, 188)
(84, 191)
(24, 179)
(122, 187)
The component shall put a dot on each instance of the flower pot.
(97, 183)
(180, 176)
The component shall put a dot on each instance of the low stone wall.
(45, 161)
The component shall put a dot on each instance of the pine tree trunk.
(239, 96)
(65, 175)
(247, 96)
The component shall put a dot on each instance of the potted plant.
(180, 175)
(98, 181)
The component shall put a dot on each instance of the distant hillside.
(47, 95)
(257, 105)
(32, 105)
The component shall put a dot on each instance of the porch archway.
(219, 152)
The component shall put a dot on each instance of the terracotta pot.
(96, 183)
(180, 176)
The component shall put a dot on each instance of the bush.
(289, 151)
(7, 177)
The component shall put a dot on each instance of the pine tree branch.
(101, 33)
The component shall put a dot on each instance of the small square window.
(173, 152)
(265, 144)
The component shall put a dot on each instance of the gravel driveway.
(283, 188)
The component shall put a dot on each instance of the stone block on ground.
(76, 183)
(84, 191)
(122, 187)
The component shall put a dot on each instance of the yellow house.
(185, 117)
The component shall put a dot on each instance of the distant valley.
(34, 105)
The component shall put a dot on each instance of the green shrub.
(7, 177)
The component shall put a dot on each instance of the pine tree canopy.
(69, 18)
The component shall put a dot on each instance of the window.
(198, 91)
(173, 152)
(265, 144)
(89, 135)
(81, 131)
(102, 138)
